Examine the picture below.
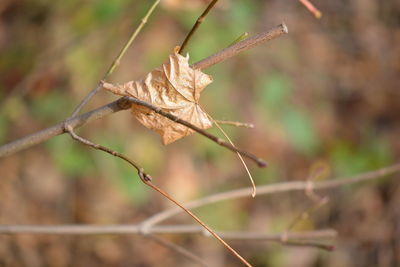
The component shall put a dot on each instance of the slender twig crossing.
(274, 188)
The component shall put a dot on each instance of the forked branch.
(121, 104)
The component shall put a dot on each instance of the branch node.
(144, 176)
(144, 230)
(124, 103)
(262, 163)
(206, 233)
(284, 27)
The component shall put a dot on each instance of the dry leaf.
(175, 87)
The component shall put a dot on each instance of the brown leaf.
(175, 87)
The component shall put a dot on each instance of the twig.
(271, 189)
(117, 60)
(178, 249)
(259, 236)
(236, 123)
(306, 213)
(318, 201)
(260, 162)
(144, 227)
(196, 25)
(305, 237)
(44, 135)
(253, 194)
(240, 38)
(69, 129)
(314, 244)
(123, 229)
(311, 8)
(146, 179)
(120, 104)
(84, 141)
(244, 45)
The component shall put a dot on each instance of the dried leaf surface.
(175, 87)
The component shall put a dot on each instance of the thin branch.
(84, 141)
(241, 46)
(117, 60)
(274, 188)
(214, 234)
(260, 162)
(253, 194)
(123, 229)
(69, 129)
(235, 123)
(306, 213)
(46, 134)
(311, 8)
(121, 104)
(314, 244)
(306, 238)
(178, 249)
(196, 25)
(146, 179)
(240, 38)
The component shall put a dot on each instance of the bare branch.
(306, 238)
(235, 123)
(240, 38)
(274, 188)
(197, 219)
(116, 61)
(121, 229)
(241, 46)
(121, 104)
(196, 25)
(84, 141)
(58, 129)
(314, 244)
(311, 8)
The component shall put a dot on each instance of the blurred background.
(324, 96)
